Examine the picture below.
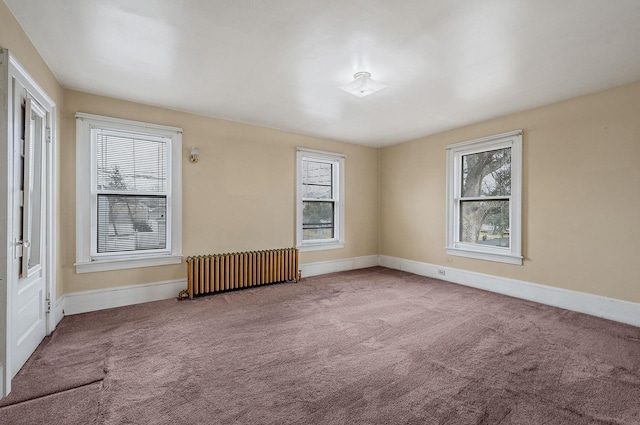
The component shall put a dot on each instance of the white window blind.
(131, 191)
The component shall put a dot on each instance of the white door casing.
(26, 216)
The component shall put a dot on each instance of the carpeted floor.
(372, 346)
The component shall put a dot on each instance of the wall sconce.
(194, 154)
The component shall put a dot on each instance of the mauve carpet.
(372, 346)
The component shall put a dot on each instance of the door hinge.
(48, 305)
(48, 134)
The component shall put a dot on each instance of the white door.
(29, 316)
(27, 170)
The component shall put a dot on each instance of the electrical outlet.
(442, 272)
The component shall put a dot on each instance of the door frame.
(11, 69)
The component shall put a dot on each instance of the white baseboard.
(3, 391)
(100, 299)
(595, 305)
(59, 308)
(324, 267)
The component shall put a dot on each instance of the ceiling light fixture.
(362, 85)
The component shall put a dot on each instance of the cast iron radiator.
(208, 274)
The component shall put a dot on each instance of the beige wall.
(581, 182)
(240, 195)
(12, 37)
(581, 188)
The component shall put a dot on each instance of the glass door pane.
(35, 125)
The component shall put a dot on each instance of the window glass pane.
(129, 223)
(485, 222)
(317, 220)
(129, 162)
(317, 180)
(487, 173)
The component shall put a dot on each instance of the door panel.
(29, 313)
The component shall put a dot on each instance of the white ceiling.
(278, 63)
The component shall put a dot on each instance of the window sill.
(488, 256)
(320, 246)
(133, 263)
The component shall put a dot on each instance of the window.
(320, 200)
(128, 194)
(484, 198)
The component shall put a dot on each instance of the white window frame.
(337, 160)
(455, 152)
(86, 197)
